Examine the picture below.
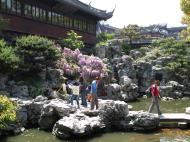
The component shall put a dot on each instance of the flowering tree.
(86, 66)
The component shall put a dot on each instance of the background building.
(52, 18)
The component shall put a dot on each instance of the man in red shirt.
(155, 96)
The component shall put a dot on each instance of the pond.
(164, 135)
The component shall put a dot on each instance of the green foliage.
(132, 32)
(72, 41)
(7, 111)
(104, 37)
(171, 46)
(126, 48)
(8, 58)
(167, 47)
(144, 50)
(185, 6)
(35, 49)
(102, 43)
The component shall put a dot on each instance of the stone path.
(174, 117)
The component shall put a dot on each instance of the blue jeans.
(75, 97)
(83, 98)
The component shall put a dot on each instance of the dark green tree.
(35, 50)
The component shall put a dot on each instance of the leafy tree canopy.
(36, 50)
(185, 7)
(132, 32)
(72, 41)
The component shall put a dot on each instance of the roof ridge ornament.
(114, 8)
(90, 4)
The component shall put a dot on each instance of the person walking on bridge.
(155, 96)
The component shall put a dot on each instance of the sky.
(140, 12)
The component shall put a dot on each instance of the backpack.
(148, 92)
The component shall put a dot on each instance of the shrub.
(7, 111)
(126, 48)
(8, 58)
(35, 49)
(104, 37)
(169, 47)
(73, 41)
(144, 50)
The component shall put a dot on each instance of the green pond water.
(164, 135)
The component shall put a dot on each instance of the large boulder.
(78, 124)
(55, 77)
(113, 90)
(125, 67)
(143, 74)
(142, 121)
(114, 49)
(20, 91)
(53, 111)
(129, 89)
(112, 112)
(35, 108)
(22, 110)
(172, 89)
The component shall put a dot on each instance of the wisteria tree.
(83, 65)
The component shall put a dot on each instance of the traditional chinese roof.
(99, 14)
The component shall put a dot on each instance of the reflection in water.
(165, 135)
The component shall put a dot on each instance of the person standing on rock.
(155, 96)
(83, 91)
(75, 87)
(94, 93)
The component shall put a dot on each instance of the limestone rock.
(20, 91)
(172, 89)
(77, 125)
(52, 111)
(111, 112)
(141, 121)
(113, 90)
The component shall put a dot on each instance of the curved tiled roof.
(100, 14)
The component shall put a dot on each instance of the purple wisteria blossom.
(86, 66)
